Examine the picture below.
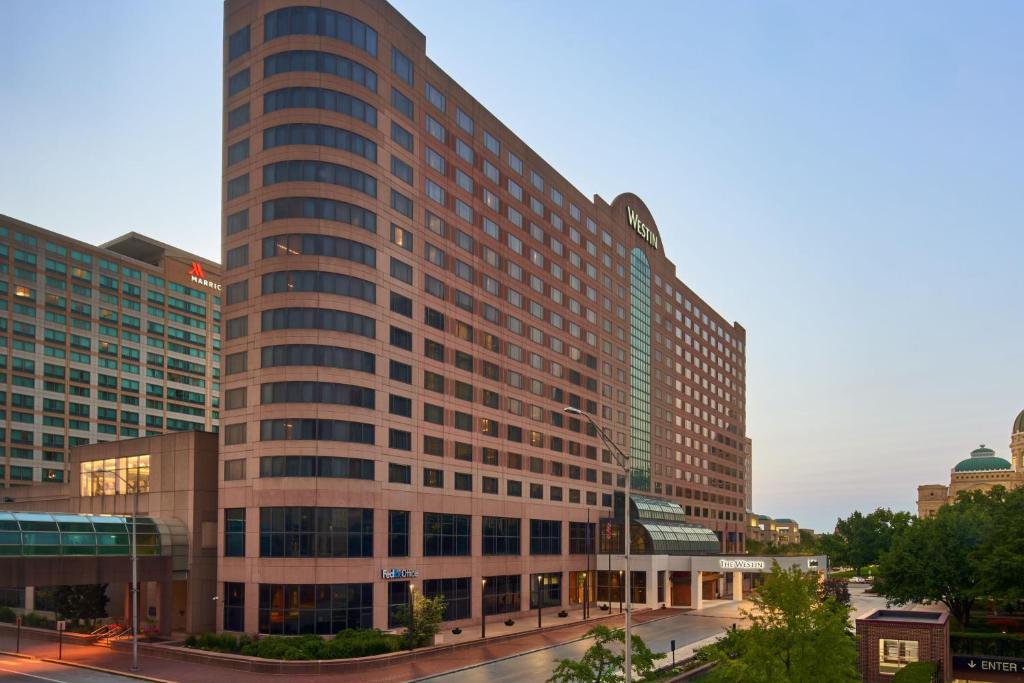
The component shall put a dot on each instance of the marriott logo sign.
(641, 228)
(197, 276)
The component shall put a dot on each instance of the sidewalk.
(427, 664)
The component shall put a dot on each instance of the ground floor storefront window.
(502, 594)
(611, 585)
(292, 609)
(234, 606)
(456, 594)
(549, 587)
(579, 585)
(398, 602)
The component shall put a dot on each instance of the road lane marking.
(41, 678)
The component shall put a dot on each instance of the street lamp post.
(483, 612)
(135, 566)
(412, 636)
(538, 601)
(624, 463)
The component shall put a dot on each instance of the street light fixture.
(135, 565)
(623, 461)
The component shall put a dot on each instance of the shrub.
(346, 644)
(7, 615)
(35, 620)
(917, 672)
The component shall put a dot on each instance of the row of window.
(348, 532)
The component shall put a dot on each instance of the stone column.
(696, 590)
(737, 585)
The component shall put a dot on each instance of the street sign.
(62, 625)
(987, 663)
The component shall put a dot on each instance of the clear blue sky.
(845, 179)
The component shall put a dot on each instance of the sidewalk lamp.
(412, 636)
(135, 564)
(483, 610)
(623, 461)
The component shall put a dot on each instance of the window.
(399, 474)
(401, 136)
(401, 372)
(318, 21)
(313, 355)
(402, 103)
(515, 163)
(514, 488)
(292, 609)
(401, 65)
(316, 532)
(545, 589)
(319, 135)
(893, 655)
(463, 120)
(238, 45)
(318, 208)
(401, 271)
(435, 97)
(489, 485)
(501, 535)
(318, 430)
(401, 170)
(581, 538)
(234, 606)
(445, 535)
(401, 338)
(492, 144)
(456, 593)
(234, 532)
(401, 304)
(234, 470)
(319, 98)
(398, 603)
(433, 478)
(398, 533)
(463, 481)
(545, 537)
(401, 203)
(502, 594)
(338, 467)
(238, 82)
(317, 171)
(399, 439)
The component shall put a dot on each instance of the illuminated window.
(115, 476)
(893, 655)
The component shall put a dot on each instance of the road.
(685, 628)
(20, 670)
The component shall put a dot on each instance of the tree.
(795, 636)
(1000, 553)
(946, 558)
(81, 602)
(600, 664)
(428, 613)
(859, 540)
(836, 589)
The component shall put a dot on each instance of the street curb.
(16, 654)
(518, 654)
(129, 674)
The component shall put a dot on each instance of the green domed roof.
(982, 460)
(1018, 424)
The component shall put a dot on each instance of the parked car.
(858, 579)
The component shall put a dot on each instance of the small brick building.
(888, 640)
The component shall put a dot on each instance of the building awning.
(45, 534)
(675, 538)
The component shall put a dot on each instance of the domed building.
(982, 470)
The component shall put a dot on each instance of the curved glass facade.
(640, 370)
(36, 534)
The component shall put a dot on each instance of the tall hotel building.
(412, 297)
(100, 344)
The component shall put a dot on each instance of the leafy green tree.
(859, 540)
(836, 589)
(795, 636)
(600, 664)
(428, 613)
(88, 602)
(1000, 553)
(962, 554)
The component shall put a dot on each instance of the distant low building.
(764, 529)
(981, 471)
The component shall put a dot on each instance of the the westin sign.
(641, 228)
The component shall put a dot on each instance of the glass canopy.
(38, 534)
(674, 538)
(656, 508)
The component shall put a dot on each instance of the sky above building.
(844, 179)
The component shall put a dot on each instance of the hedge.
(996, 644)
(346, 644)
